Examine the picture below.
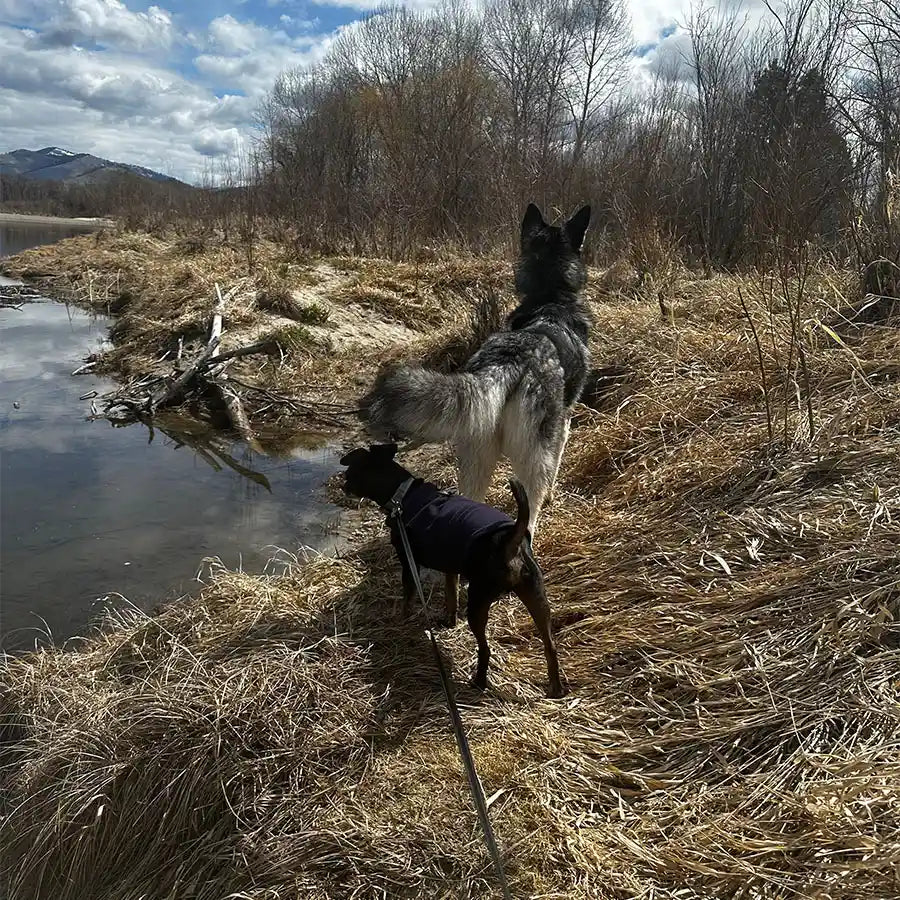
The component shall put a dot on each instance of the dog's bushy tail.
(415, 403)
(523, 514)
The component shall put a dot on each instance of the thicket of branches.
(771, 137)
(770, 133)
(49, 198)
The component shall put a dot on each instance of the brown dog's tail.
(523, 514)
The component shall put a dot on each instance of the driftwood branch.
(178, 388)
(219, 380)
(237, 415)
(141, 400)
(215, 330)
(265, 346)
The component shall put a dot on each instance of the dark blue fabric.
(443, 527)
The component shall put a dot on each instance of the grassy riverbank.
(334, 320)
(725, 581)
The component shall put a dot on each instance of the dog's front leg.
(451, 597)
(409, 583)
(477, 613)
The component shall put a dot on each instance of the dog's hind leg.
(476, 462)
(536, 466)
(551, 494)
(536, 474)
(533, 595)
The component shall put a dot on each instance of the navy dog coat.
(443, 527)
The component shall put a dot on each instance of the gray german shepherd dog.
(514, 396)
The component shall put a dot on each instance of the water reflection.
(19, 236)
(87, 509)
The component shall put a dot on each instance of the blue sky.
(174, 85)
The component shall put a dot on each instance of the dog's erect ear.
(354, 456)
(384, 451)
(532, 219)
(577, 226)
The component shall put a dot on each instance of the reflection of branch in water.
(181, 440)
(206, 447)
(247, 472)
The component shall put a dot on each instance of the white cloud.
(649, 18)
(97, 79)
(667, 45)
(216, 142)
(669, 59)
(113, 85)
(229, 35)
(247, 57)
(102, 22)
(297, 23)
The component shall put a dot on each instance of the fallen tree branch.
(265, 346)
(177, 389)
(328, 412)
(215, 330)
(153, 393)
(236, 412)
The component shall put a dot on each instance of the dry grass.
(422, 295)
(276, 294)
(728, 612)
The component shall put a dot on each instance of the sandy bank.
(28, 219)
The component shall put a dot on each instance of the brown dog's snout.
(350, 484)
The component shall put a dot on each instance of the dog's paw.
(479, 684)
(555, 691)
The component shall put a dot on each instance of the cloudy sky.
(175, 85)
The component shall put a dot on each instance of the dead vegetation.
(725, 582)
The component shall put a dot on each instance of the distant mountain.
(56, 164)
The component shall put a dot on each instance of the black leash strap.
(461, 741)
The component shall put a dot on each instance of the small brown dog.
(458, 536)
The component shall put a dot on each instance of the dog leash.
(477, 791)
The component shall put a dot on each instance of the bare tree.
(597, 67)
(423, 127)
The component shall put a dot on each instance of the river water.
(92, 515)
